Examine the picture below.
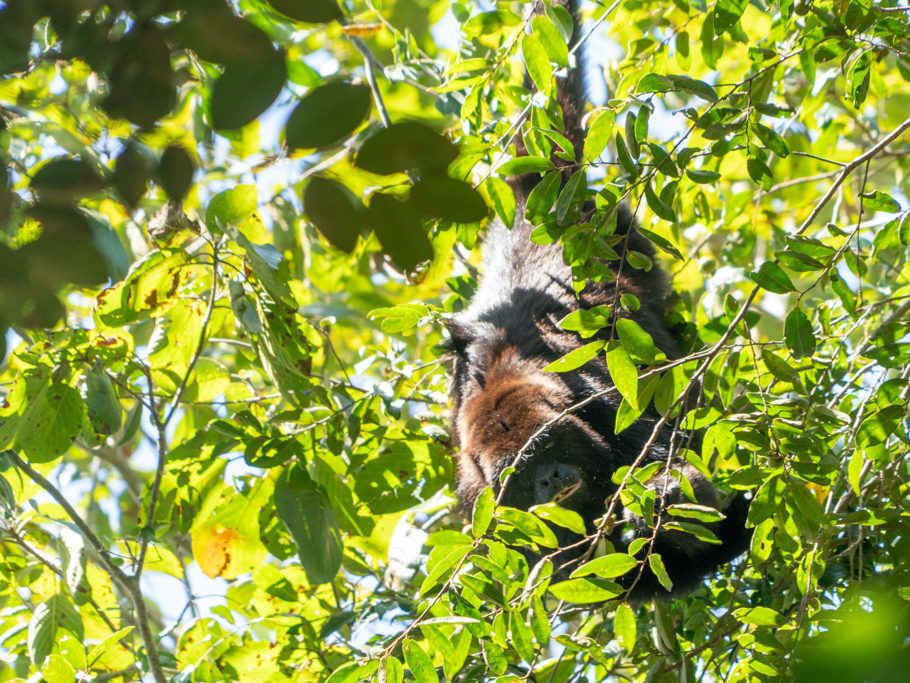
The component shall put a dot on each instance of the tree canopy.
(229, 235)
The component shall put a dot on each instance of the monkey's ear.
(461, 334)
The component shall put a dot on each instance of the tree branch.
(130, 583)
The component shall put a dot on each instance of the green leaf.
(765, 501)
(600, 127)
(624, 627)
(529, 525)
(587, 322)
(231, 206)
(810, 509)
(639, 261)
(625, 158)
(759, 616)
(638, 342)
(540, 621)
(801, 263)
(17, 20)
(403, 147)
(399, 230)
(798, 334)
(632, 142)
(131, 176)
(703, 513)
(553, 43)
(103, 406)
(525, 164)
(657, 566)
(305, 511)
(857, 81)
(880, 201)
(855, 470)
(537, 63)
(570, 196)
(440, 563)
(759, 172)
(771, 140)
(401, 319)
(657, 205)
(694, 87)
(501, 197)
(419, 663)
(64, 181)
(904, 230)
(335, 212)
(560, 516)
(772, 277)
(245, 90)
(607, 567)
(661, 242)
(576, 358)
(327, 115)
(727, 14)
(486, 23)
(779, 367)
(453, 200)
(40, 417)
(394, 672)
(542, 197)
(641, 124)
(101, 648)
(627, 414)
(352, 672)
(141, 83)
(701, 532)
(702, 177)
(483, 512)
(585, 590)
(653, 83)
(175, 172)
(663, 160)
(623, 373)
(313, 11)
(521, 636)
(52, 616)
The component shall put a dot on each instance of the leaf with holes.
(52, 616)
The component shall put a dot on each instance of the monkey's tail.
(570, 96)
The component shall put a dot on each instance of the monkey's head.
(509, 412)
(557, 431)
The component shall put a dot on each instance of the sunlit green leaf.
(772, 277)
(585, 590)
(576, 358)
(304, 509)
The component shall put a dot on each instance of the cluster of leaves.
(215, 378)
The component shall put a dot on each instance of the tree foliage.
(228, 235)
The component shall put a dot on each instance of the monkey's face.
(509, 412)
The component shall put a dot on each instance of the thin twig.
(161, 424)
(848, 168)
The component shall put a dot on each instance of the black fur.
(501, 396)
